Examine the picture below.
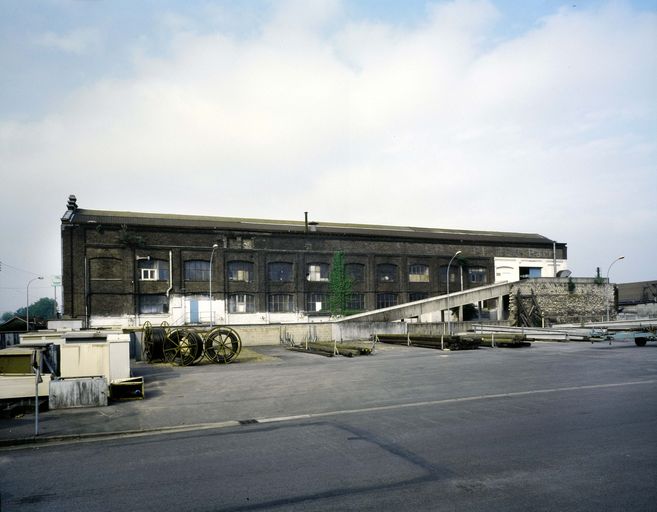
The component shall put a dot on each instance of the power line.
(5, 264)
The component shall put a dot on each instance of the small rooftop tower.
(72, 203)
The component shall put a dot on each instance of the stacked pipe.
(504, 340)
(445, 342)
(330, 349)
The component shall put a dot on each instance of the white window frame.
(240, 303)
(148, 274)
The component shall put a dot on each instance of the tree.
(339, 285)
(44, 309)
(6, 316)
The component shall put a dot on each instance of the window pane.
(240, 271)
(162, 270)
(241, 303)
(355, 302)
(153, 270)
(386, 272)
(527, 272)
(418, 274)
(478, 275)
(197, 270)
(318, 272)
(452, 273)
(355, 272)
(145, 263)
(280, 303)
(153, 304)
(413, 296)
(316, 302)
(385, 300)
(280, 271)
(148, 274)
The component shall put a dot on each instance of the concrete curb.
(96, 436)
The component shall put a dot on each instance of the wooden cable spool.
(222, 345)
(182, 346)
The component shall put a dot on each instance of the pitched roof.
(85, 216)
(13, 324)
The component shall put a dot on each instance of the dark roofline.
(11, 325)
(118, 218)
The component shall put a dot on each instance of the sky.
(528, 116)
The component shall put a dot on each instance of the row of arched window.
(282, 271)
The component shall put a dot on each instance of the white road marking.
(102, 436)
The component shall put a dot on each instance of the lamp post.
(449, 313)
(27, 303)
(612, 264)
(214, 248)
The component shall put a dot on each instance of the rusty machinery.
(185, 346)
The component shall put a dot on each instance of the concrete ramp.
(432, 304)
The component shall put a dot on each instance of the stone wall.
(563, 300)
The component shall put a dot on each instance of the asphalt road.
(553, 427)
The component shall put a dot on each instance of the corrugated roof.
(84, 216)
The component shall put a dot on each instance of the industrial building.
(124, 268)
(638, 299)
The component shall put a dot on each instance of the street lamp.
(449, 313)
(612, 264)
(214, 248)
(27, 303)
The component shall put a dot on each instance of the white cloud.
(550, 131)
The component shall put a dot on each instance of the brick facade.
(102, 251)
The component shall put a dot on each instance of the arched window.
(355, 272)
(453, 272)
(241, 271)
(241, 303)
(197, 270)
(153, 270)
(316, 302)
(280, 271)
(280, 303)
(418, 273)
(355, 302)
(318, 272)
(385, 300)
(386, 273)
